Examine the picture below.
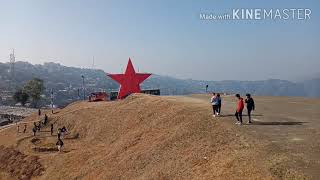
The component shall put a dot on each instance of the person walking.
(219, 104)
(59, 144)
(45, 119)
(240, 106)
(34, 130)
(39, 126)
(63, 131)
(59, 133)
(250, 106)
(214, 103)
(25, 128)
(51, 129)
(39, 112)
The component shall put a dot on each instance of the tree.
(34, 89)
(21, 97)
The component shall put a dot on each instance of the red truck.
(98, 96)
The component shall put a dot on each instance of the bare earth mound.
(144, 137)
(18, 164)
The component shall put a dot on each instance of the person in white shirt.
(214, 103)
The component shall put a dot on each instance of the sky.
(165, 37)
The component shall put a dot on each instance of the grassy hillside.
(154, 137)
(141, 137)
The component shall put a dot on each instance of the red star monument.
(129, 81)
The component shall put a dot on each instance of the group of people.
(60, 134)
(240, 106)
(216, 106)
(24, 130)
(38, 125)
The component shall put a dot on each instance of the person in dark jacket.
(51, 129)
(34, 130)
(63, 131)
(240, 106)
(59, 133)
(45, 119)
(219, 103)
(250, 106)
(25, 128)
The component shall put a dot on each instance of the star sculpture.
(129, 81)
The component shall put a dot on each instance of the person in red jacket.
(240, 106)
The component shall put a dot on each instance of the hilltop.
(172, 137)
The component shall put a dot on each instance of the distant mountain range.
(67, 83)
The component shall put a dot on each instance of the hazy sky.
(164, 37)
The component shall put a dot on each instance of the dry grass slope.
(141, 137)
(18, 164)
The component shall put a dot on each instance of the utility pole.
(51, 100)
(84, 92)
(93, 65)
(12, 73)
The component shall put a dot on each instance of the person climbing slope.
(45, 119)
(39, 126)
(51, 129)
(250, 106)
(240, 106)
(25, 128)
(59, 133)
(59, 144)
(34, 130)
(63, 131)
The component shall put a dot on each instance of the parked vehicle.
(98, 96)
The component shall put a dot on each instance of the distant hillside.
(67, 83)
(271, 87)
(312, 87)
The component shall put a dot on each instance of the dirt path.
(2, 128)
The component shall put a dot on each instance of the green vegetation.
(34, 88)
(21, 97)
